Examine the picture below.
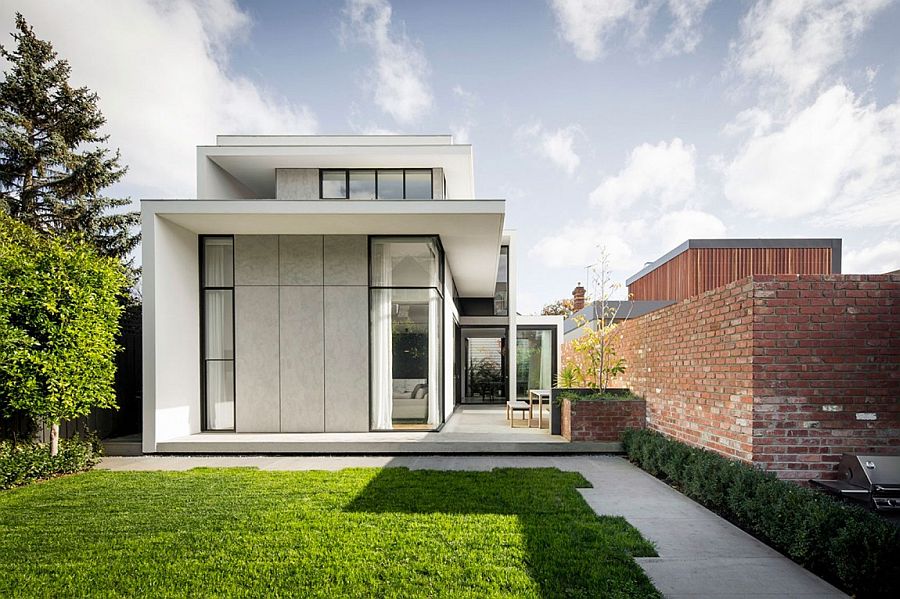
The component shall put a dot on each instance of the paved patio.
(700, 554)
(481, 429)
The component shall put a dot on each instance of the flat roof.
(335, 140)
(624, 310)
(766, 243)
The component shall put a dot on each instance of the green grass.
(357, 533)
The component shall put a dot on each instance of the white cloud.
(557, 146)
(663, 173)
(462, 127)
(876, 259)
(160, 69)
(684, 36)
(630, 242)
(790, 46)
(837, 161)
(588, 25)
(401, 69)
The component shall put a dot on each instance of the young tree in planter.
(596, 362)
(59, 318)
(53, 164)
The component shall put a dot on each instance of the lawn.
(361, 532)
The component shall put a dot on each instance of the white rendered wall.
(509, 237)
(171, 321)
(450, 318)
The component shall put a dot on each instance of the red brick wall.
(826, 359)
(601, 420)
(785, 371)
(692, 363)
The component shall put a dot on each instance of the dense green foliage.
(845, 544)
(354, 533)
(59, 317)
(605, 395)
(23, 463)
(53, 164)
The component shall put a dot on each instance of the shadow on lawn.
(570, 551)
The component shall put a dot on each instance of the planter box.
(602, 419)
(556, 406)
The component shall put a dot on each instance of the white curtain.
(382, 358)
(546, 359)
(434, 360)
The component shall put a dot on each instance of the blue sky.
(625, 124)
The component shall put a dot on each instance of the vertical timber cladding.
(301, 325)
(699, 269)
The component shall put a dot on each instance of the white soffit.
(470, 231)
(254, 166)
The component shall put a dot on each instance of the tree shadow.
(569, 551)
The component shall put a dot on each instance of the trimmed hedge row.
(23, 463)
(847, 545)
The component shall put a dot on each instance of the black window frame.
(203, 359)
(347, 171)
(440, 291)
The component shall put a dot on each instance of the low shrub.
(605, 395)
(23, 463)
(845, 544)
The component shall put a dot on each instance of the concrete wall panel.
(257, 401)
(302, 359)
(300, 260)
(297, 184)
(256, 259)
(346, 260)
(346, 359)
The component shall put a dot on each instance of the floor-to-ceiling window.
(484, 361)
(535, 359)
(406, 319)
(217, 338)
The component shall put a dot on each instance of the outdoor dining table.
(537, 395)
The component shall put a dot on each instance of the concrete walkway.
(700, 554)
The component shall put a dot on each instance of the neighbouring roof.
(622, 309)
(832, 243)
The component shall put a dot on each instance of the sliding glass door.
(484, 362)
(406, 316)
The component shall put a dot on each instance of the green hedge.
(23, 463)
(847, 545)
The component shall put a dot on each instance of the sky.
(621, 126)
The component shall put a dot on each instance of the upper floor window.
(382, 184)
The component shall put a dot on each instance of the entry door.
(484, 366)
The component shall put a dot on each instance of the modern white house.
(331, 284)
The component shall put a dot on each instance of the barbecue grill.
(872, 479)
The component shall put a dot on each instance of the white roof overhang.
(470, 230)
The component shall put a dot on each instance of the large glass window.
(390, 185)
(384, 184)
(405, 331)
(217, 280)
(362, 185)
(334, 185)
(535, 360)
(418, 185)
(405, 262)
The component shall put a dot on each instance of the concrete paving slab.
(730, 578)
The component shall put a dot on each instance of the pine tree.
(53, 162)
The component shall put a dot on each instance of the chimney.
(578, 298)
